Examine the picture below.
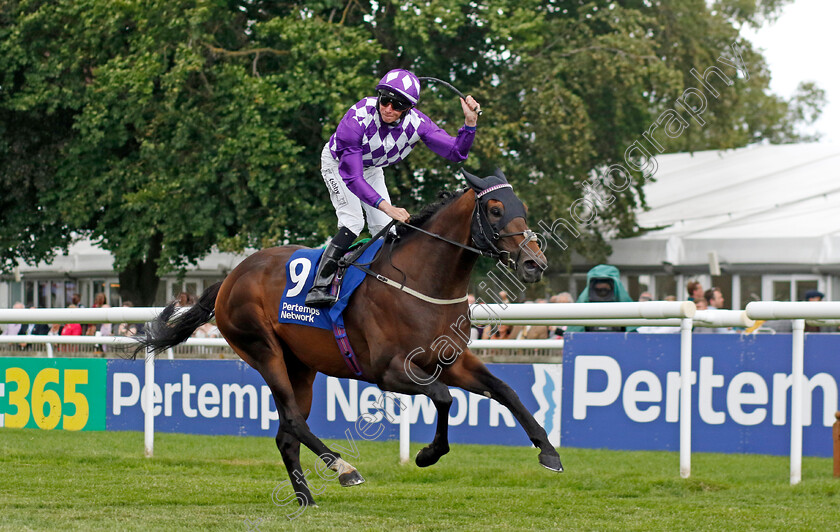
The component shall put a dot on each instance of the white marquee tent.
(765, 205)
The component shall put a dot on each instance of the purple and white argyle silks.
(362, 140)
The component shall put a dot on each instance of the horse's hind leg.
(293, 430)
(287, 444)
(293, 419)
(469, 373)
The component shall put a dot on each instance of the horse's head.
(499, 226)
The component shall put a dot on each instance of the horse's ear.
(475, 182)
(500, 175)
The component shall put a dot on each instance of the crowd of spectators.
(606, 286)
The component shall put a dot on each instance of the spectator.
(503, 332)
(13, 329)
(475, 330)
(530, 332)
(106, 329)
(185, 299)
(33, 329)
(562, 297)
(535, 332)
(714, 301)
(714, 298)
(208, 330)
(37, 329)
(603, 284)
(816, 295)
(72, 329)
(99, 301)
(129, 329)
(645, 296)
(695, 291)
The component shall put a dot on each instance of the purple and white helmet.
(403, 83)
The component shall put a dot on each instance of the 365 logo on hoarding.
(52, 393)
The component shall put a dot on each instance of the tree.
(159, 138)
(162, 129)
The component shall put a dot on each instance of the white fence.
(798, 312)
(653, 313)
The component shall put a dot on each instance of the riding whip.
(453, 89)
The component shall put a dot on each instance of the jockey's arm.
(442, 143)
(351, 170)
(397, 213)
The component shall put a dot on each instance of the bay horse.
(433, 257)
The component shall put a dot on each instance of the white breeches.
(348, 207)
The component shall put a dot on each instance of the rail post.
(835, 435)
(405, 427)
(149, 402)
(797, 374)
(685, 397)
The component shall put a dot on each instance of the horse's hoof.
(426, 457)
(351, 478)
(551, 462)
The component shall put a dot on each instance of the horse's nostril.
(530, 265)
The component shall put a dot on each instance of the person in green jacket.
(603, 285)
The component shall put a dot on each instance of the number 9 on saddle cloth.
(300, 275)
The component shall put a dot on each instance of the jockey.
(375, 133)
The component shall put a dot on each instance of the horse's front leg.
(397, 379)
(469, 373)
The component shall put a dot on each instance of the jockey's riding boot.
(319, 295)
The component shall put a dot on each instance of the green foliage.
(163, 128)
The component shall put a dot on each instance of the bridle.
(485, 244)
(485, 235)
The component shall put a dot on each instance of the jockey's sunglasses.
(397, 104)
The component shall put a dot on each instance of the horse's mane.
(445, 197)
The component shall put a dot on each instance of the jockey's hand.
(471, 108)
(394, 212)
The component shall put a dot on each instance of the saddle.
(300, 275)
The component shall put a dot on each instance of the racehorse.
(395, 334)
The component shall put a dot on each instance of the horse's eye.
(495, 211)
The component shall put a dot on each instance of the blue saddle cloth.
(300, 275)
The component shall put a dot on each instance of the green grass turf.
(96, 480)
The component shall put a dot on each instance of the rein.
(350, 260)
(494, 252)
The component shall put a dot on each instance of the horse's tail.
(170, 328)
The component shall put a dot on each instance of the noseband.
(485, 235)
